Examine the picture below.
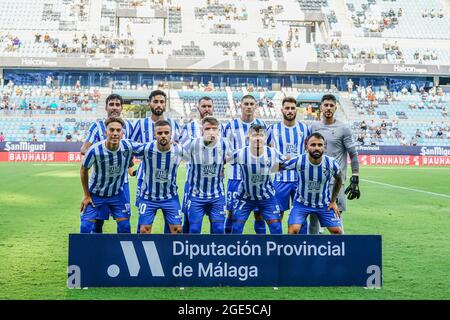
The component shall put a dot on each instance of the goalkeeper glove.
(352, 190)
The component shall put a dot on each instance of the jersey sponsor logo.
(291, 148)
(257, 178)
(114, 170)
(162, 174)
(209, 169)
(314, 186)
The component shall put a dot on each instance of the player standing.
(315, 171)
(189, 132)
(206, 157)
(160, 160)
(105, 188)
(256, 162)
(288, 137)
(340, 144)
(235, 133)
(144, 131)
(96, 133)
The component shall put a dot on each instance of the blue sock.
(275, 228)
(217, 227)
(304, 228)
(260, 226)
(86, 226)
(186, 224)
(166, 228)
(237, 228)
(123, 226)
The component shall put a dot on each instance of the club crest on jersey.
(326, 172)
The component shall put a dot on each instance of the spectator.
(34, 139)
(383, 125)
(68, 137)
(59, 129)
(440, 134)
(360, 139)
(350, 86)
(53, 130)
(2, 137)
(418, 133)
(429, 133)
(43, 129)
(444, 112)
(31, 129)
(414, 141)
(363, 125)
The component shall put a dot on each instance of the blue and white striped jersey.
(144, 131)
(159, 172)
(314, 180)
(289, 141)
(256, 182)
(97, 131)
(206, 168)
(193, 130)
(235, 133)
(110, 167)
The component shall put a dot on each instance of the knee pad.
(98, 226)
(275, 228)
(123, 226)
(217, 228)
(86, 226)
(237, 227)
(228, 225)
(260, 226)
(194, 227)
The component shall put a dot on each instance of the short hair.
(205, 98)
(162, 123)
(289, 99)
(328, 97)
(114, 119)
(316, 135)
(155, 93)
(114, 96)
(210, 120)
(257, 127)
(248, 96)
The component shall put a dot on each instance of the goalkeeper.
(339, 145)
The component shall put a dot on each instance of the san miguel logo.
(25, 146)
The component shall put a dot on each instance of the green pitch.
(39, 205)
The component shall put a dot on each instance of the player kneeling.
(206, 157)
(160, 161)
(256, 163)
(105, 188)
(315, 171)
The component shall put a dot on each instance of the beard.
(163, 142)
(288, 117)
(157, 111)
(316, 154)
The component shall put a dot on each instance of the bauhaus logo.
(132, 262)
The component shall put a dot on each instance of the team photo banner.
(133, 260)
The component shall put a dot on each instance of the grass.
(40, 205)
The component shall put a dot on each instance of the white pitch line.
(409, 189)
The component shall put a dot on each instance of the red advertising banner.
(387, 160)
(368, 160)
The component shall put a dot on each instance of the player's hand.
(131, 171)
(352, 190)
(334, 207)
(86, 200)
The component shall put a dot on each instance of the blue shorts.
(105, 211)
(269, 209)
(198, 207)
(232, 189)
(326, 217)
(170, 208)
(118, 206)
(285, 191)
